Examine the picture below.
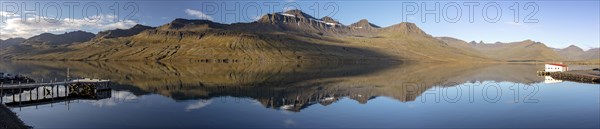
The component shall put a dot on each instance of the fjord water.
(296, 95)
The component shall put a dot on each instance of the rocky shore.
(9, 120)
(586, 76)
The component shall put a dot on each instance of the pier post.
(37, 94)
(43, 92)
(51, 91)
(66, 92)
(68, 71)
(20, 90)
(1, 92)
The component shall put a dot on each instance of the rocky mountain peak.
(473, 43)
(364, 23)
(297, 13)
(181, 21)
(116, 33)
(140, 26)
(406, 28)
(190, 24)
(329, 19)
(573, 48)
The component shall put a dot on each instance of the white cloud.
(198, 105)
(289, 122)
(198, 14)
(288, 8)
(16, 27)
(116, 97)
(8, 14)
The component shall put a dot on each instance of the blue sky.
(559, 23)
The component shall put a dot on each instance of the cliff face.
(298, 21)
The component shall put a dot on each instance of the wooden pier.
(20, 85)
(33, 94)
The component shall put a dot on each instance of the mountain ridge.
(284, 36)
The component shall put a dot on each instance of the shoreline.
(585, 76)
(10, 120)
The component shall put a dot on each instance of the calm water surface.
(161, 95)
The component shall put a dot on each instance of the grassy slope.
(240, 46)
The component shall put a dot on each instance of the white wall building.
(556, 68)
(548, 79)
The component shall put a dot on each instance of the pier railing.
(33, 94)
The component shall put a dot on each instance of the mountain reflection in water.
(300, 95)
(290, 86)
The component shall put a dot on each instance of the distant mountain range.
(49, 39)
(10, 42)
(526, 50)
(286, 36)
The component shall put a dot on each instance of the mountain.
(406, 29)
(116, 33)
(46, 43)
(364, 24)
(462, 45)
(329, 20)
(526, 50)
(571, 53)
(284, 36)
(574, 53)
(11, 41)
(190, 25)
(294, 21)
(593, 53)
(60, 39)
